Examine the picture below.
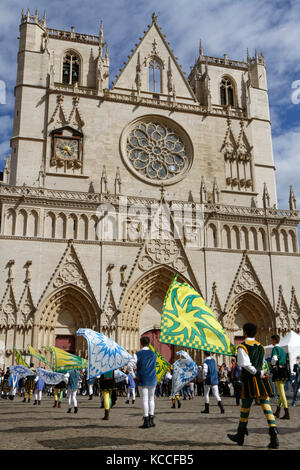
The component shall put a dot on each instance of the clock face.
(67, 149)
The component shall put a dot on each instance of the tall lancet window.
(155, 76)
(226, 92)
(71, 68)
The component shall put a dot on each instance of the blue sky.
(225, 26)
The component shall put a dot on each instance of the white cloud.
(287, 157)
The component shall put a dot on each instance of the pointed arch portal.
(141, 310)
(249, 307)
(65, 311)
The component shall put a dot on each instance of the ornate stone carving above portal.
(163, 252)
(70, 273)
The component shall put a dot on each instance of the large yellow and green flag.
(187, 321)
(161, 364)
(33, 352)
(64, 361)
(19, 359)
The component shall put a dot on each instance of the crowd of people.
(247, 379)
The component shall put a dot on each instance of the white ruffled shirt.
(243, 360)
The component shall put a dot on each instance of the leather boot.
(220, 405)
(151, 421)
(239, 436)
(286, 414)
(145, 423)
(173, 405)
(69, 410)
(55, 404)
(59, 405)
(106, 415)
(206, 409)
(274, 443)
(277, 412)
(35, 402)
(75, 409)
(90, 397)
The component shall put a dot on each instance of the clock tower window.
(71, 68)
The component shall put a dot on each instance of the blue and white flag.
(184, 370)
(105, 354)
(50, 377)
(119, 376)
(21, 371)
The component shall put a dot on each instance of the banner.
(104, 353)
(119, 376)
(21, 371)
(161, 364)
(49, 377)
(62, 361)
(19, 358)
(33, 352)
(187, 321)
(184, 370)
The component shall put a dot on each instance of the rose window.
(157, 151)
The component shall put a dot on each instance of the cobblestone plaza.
(27, 427)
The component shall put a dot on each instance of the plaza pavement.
(27, 427)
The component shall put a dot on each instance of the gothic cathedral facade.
(112, 188)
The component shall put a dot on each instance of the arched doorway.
(61, 315)
(249, 307)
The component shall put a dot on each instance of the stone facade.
(110, 191)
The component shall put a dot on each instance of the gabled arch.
(154, 283)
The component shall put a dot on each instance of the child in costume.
(130, 388)
(211, 381)
(38, 389)
(255, 384)
(280, 376)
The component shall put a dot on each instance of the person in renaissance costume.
(29, 385)
(38, 389)
(176, 398)
(255, 384)
(59, 393)
(130, 388)
(13, 383)
(280, 376)
(73, 377)
(90, 384)
(145, 363)
(211, 382)
(297, 380)
(107, 387)
(5, 384)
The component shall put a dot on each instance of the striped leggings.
(266, 407)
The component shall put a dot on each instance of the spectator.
(297, 380)
(200, 385)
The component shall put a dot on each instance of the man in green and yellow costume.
(255, 385)
(280, 376)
